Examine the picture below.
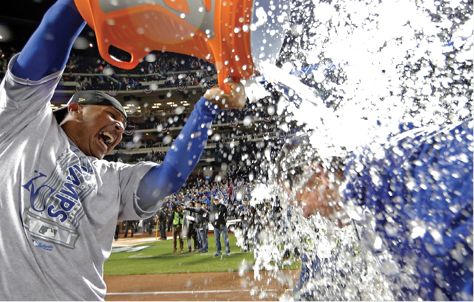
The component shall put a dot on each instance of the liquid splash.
(374, 65)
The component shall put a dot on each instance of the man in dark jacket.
(219, 219)
(190, 228)
(202, 220)
(162, 220)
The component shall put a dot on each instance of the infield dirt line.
(220, 286)
(191, 292)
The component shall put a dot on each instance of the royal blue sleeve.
(48, 49)
(181, 158)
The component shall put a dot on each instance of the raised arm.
(187, 148)
(181, 158)
(195, 210)
(48, 49)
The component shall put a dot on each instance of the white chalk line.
(186, 292)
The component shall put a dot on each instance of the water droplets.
(108, 71)
(167, 140)
(418, 229)
(351, 73)
(247, 121)
(80, 43)
(140, 30)
(150, 58)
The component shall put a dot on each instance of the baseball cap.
(298, 160)
(90, 97)
(219, 196)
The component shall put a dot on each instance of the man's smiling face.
(95, 129)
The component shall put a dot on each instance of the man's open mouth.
(107, 138)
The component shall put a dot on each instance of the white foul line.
(191, 292)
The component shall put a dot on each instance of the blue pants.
(218, 230)
(202, 238)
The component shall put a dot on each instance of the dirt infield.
(194, 286)
(223, 286)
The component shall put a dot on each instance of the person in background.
(202, 220)
(177, 219)
(204, 226)
(230, 192)
(190, 228)
(162, 221)
(129, 225)
(244, 212)
(207, 195)
(218, 219)
(148, 225)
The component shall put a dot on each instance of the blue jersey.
(419, 189)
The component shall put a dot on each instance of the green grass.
(158, 258)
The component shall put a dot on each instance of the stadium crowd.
(160, 70)
(198, 208)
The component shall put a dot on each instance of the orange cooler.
(234, 35)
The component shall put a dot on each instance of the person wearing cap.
(60, 200)
(414, 193)
(218, 219)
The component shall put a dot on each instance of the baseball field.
(147, 269)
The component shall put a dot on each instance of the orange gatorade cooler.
(234, 35)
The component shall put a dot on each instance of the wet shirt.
(418, 189)
(58, 207)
